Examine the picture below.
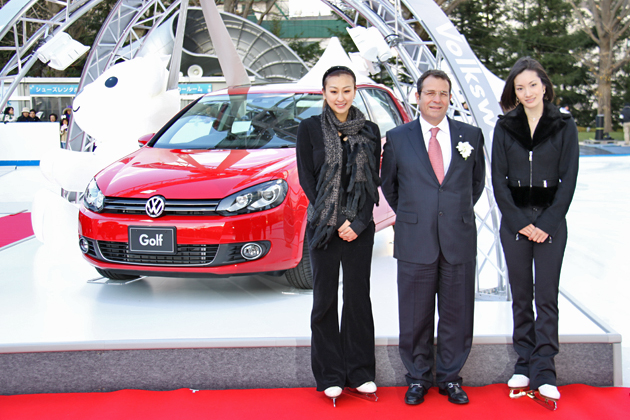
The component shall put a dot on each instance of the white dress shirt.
(443, 137)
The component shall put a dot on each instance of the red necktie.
(435, 155)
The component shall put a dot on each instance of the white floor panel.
(46, 299)
(18, 187)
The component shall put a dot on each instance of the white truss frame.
(29, 34)
(131, 20)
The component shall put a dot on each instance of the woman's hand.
(538, 236)
(534, 234)
(527, 230)
(346, 233)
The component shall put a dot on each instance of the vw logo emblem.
(155, 206)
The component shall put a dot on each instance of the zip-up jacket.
(536, 173)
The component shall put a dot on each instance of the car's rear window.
(252, 121)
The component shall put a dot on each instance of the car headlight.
(93, 198)
(260, 197)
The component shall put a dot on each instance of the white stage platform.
(48, 305)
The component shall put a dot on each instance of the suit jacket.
(431, 217)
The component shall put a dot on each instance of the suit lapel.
(456, 136)
(416, 139)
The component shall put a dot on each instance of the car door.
(386, 114)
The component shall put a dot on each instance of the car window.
(252, 121)
(359, 103)
(384, 111)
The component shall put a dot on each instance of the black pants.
(343, 356)
(535, 340)
(454, 285)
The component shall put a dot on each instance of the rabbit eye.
(111, 82)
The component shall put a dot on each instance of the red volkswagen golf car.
(215, 192)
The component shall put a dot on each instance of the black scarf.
(361, 166)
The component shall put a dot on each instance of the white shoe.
(332, 391)
(518, 381)
(367, 388)
(549, 391)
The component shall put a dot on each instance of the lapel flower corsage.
(465, 149)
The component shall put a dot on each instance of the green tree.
(543, 34)
(309, 52)
(480, 22)
(248, 7)
(83, 30)
(344, 37)
(620, 93)
(501, 32)
(607, 24)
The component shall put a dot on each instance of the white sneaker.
(332, 391)
(518, 381)
(549, 391)
(367, 388)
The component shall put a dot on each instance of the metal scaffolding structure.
(24, 35)
(131, 22)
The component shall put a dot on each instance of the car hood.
(193, 174)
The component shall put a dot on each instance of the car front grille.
(118, 205)
(187, 255)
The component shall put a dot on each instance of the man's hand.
(346, 233)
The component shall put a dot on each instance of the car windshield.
(252, 121)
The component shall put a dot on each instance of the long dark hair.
(508, 97)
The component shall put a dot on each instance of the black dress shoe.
(415, 394)
(455, 393)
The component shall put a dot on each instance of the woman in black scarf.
(338, 157)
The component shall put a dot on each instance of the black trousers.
(418, 285)
(535, 339)
(343, 356)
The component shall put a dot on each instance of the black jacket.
(625, 114)
(534, 173)
(310, 153)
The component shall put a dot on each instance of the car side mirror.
(142, 141)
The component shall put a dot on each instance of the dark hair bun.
(335, 70)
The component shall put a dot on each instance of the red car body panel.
(210, 174)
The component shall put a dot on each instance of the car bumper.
(206, 245)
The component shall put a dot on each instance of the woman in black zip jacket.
(535, 155)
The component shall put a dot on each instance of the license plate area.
(152, 240)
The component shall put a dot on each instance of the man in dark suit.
(433, 173)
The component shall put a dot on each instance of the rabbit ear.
(229, 60)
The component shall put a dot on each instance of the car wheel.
(301, 277)
(116, 276)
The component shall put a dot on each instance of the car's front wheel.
(301, 277)
(115, 276)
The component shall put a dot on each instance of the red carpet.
(489, 402)
(15, 228)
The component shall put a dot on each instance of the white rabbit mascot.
(126, 102)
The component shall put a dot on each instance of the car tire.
(301, 277)
(116, 276)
